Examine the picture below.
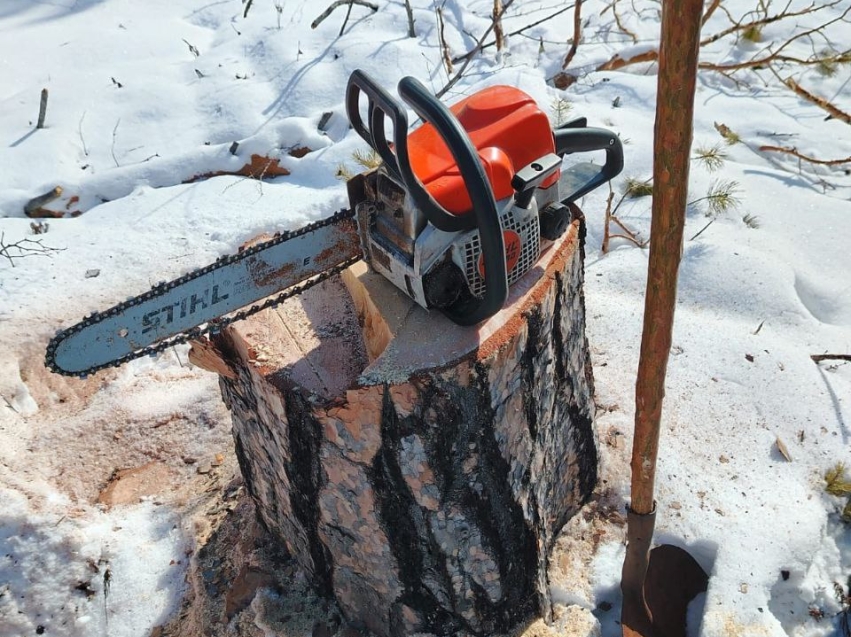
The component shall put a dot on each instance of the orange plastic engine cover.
(509, 132)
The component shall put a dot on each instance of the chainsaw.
(456, 212)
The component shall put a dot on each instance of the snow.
(133, 115)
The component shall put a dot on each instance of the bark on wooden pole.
(678, 56)
(418, 471)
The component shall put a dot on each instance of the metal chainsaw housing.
(433, 267)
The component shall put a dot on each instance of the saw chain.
(214, 326)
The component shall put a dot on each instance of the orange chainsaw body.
(508, 130)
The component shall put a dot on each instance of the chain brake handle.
(485, 217)
(577, 137)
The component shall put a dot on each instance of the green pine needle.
(561, 109)
(722, 196)
(368, 159)
(636, 188)
(343, 173)
(835, 481)
(712, 157)
(753, 34)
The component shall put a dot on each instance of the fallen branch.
(794, 152)
(617, 62)
(340, 3)
(818, 101)
(24, 248)
(817, 358)
(32, 207)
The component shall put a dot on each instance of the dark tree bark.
(418, 471)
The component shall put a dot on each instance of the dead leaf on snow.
(781, 447)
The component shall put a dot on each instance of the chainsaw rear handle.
(485, 217)
(582, 139)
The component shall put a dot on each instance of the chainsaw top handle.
(486, 215)
(576, 137)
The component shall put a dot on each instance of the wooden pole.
(678, 56)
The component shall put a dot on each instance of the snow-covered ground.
(144, 96)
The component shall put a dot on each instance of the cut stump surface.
(419, 471)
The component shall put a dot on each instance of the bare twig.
(11, 406)
(192, 48)
(410, 12)
(496, 16)
(345, 20)
(629, 235)
(441, 36)
(112, 149)
(700, 232)
(340, 3)
(80, 133)
(248, 4)
(460, 73)
(605, 246)
(618, 22)
(477, 49)
(577, 33)
(763, 58)
(42, 109)
(739, 26)
(710, 10)
(817, 358)
(24, 248)
(794, 152)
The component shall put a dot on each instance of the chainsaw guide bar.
(63, 341)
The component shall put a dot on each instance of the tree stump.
(418, 471)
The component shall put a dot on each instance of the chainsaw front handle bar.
(576, 137)
(485, 217)
(379, 104)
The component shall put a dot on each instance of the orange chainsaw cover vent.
(509, 132)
